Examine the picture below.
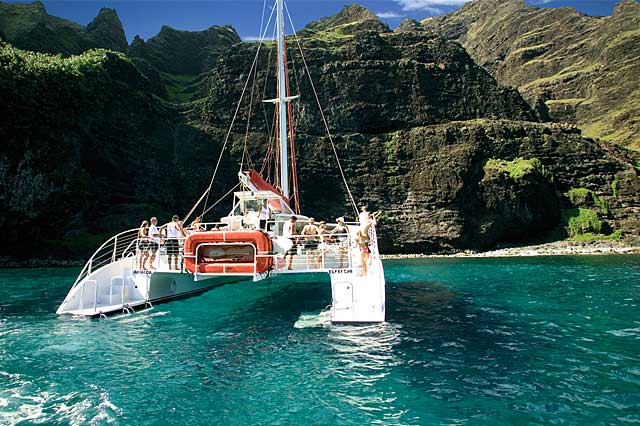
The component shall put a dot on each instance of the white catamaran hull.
(117, 288)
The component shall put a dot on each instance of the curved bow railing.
(115, 248)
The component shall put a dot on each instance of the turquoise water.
(468, 342)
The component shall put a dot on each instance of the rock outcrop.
(106, 31)
(28, 26)
(369, 82)
(569, 66)
(184, 52)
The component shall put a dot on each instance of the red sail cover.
(262, 185)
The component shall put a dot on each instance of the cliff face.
(569, 66)
(86, 148)
(453, 159)
(369, 82)
(184, 52)
(476, 183)
(28, 26)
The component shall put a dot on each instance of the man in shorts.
(289, 231)
(310, 232)
(174, 232)
(154, 240)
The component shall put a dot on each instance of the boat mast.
(282, 103)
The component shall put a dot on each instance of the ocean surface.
(520, 341)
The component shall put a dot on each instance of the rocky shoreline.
(557, 248)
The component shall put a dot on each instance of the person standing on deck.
(174, 231)
(289, 231)
(311, 241)
(363, 217)
(143, 244)
(343, 237)
(362, 243)
(265, 215)
(154, 241)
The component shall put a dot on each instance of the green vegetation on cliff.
(582, 221)
(517, 168)
(84, 141)
(29, 26)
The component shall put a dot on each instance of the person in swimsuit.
(310, 232)
(323, 247)
(196, 225)
(362, 242)
(143, 245)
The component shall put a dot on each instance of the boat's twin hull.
(116, 288)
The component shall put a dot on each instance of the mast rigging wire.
(226, 139)
(324, 119)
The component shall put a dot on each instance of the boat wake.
(313, 320)
(139, 316)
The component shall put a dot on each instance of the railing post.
(115, 248)
(95, 296)
(90, 265)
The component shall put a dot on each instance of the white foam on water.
(313, 320)
(139, 316)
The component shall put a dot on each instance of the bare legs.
(152, 258)
(364, 260)
(175, 257)
(144, 255)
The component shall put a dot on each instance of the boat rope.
(268, 124)
(221, 198)
(235, 114)
(292, 149)
(186, 217)
(324, 119)
(245, 148)
(269, 159)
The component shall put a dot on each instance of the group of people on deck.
(314, 238)
(151, 237)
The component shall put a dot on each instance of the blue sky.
(145, 17)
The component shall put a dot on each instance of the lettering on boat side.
(340, 271)
(143, 272)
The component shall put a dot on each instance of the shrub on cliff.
(582, 221)
(517, 168)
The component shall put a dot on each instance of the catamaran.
(239, 247)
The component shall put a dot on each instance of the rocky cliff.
(452, 158)
(86, 148)
(184, 52)
(28, 26)
(370, 81)
(569, 66)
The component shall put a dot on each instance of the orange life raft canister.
(229, 252)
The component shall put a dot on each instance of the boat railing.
(115, 248)
(320, 252)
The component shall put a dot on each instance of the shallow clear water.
(468, 341)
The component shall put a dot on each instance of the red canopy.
(262, 185)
